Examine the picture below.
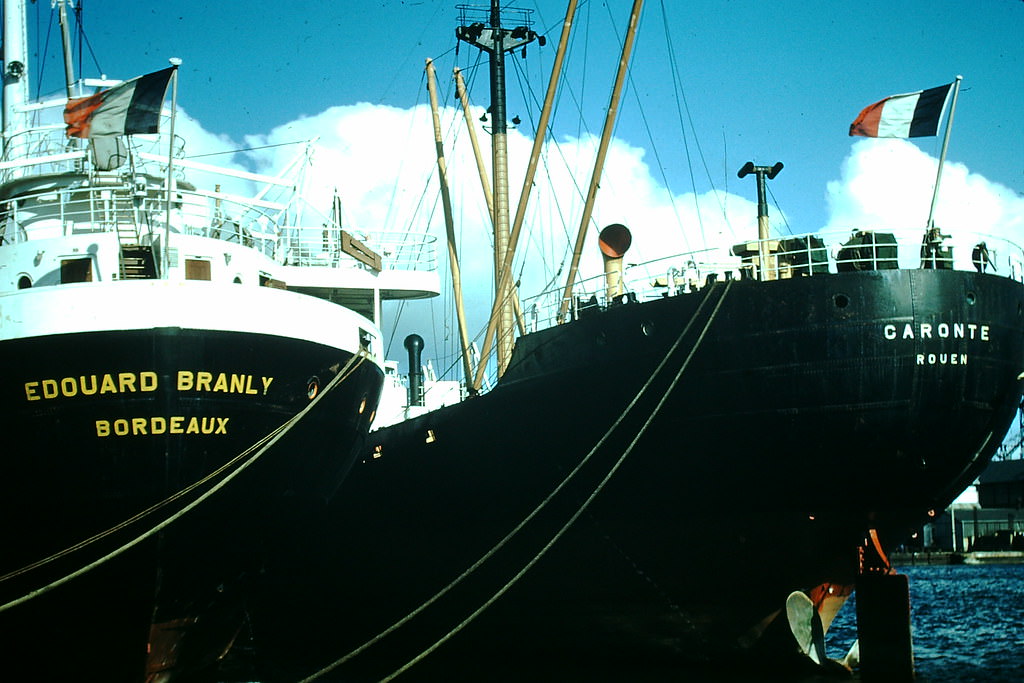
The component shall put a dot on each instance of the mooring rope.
(267, 442)
(131, 520)
(540, 506)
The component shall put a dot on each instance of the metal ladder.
(120, 212)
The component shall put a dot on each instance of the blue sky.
(744, 80)
(768, 81)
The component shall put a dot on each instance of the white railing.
(320, 246)
(114, 203)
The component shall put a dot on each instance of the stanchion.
(883, 617)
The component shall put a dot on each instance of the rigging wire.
(83, 40)
(582, 129)
(593, 494)
(543, 504)
(775, 201)
(46, 45)
(680, 95)
(240, 150)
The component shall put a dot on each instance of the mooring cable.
(576, 515)
(141, 515)
(351, 366)
(540, 506)
(163, 503)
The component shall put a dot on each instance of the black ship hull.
(774, 423)
(113, 422)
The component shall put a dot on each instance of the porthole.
(841, 300)
(971, 298)
(647, 328)
(312, 387)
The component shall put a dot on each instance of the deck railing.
(807, 255)
(138, 213)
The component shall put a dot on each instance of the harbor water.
(967, 620)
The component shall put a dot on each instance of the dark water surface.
(967, 620)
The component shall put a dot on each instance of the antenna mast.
(491, 37)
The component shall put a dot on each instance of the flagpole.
(942, 154)
(175, 62)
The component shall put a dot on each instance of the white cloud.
(382, 162)
(888, 183)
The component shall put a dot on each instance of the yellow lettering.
(237, 384)
(139, 425)
(127, 382)
(222, 383)
(147, 381)
(266, 384)
(86, 389)
(30, 391)
(185, 379)
(69, 387)
(203, 379)
(49, 388)
(157, 425)
(248, 385)
(107, 385)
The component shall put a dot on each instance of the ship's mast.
(65, 35)
(15, 57)
(765, 269)
(446, 204)
(538, 143)
(602, 151)
(496, 41)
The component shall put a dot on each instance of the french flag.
(126, 109)
(912, 115)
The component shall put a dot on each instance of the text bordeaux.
(154, 426)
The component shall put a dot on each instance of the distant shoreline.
(947, 557)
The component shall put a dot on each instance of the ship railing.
(138, 212)
(46, 150)
(806, 255)
(324, 247)
(40, 150)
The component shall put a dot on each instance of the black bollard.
(414, 345)
(883, 627)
